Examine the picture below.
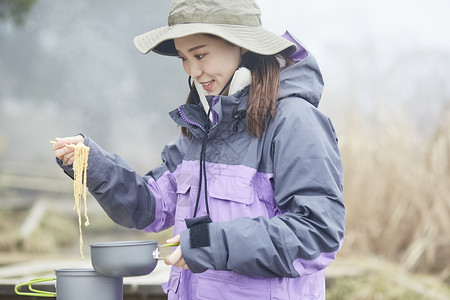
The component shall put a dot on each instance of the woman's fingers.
(71, 140)
(61, 142)
(63, 153)
(175, 239)
(176, 258)
(68, 158)
(182, 264)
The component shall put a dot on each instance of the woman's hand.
(176, 258)
(66, 154)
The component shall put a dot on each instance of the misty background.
(71, 67)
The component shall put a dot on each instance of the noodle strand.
(81, 154)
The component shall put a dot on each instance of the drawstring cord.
(202, 175)
(202, 170)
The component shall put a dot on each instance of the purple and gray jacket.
(275, 202)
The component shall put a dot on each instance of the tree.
(15, 10)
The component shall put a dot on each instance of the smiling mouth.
(207, 83)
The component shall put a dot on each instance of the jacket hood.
(300, 80)
(303, 79)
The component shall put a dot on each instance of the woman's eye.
(199, 56)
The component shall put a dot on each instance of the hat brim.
(254, 39)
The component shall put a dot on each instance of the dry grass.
(376, 279)
(55, 231)
(397, 187)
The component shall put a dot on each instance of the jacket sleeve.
(308, 186)
(128, 198)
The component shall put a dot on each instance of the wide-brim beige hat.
(237, 21)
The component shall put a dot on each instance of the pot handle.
(156, 251)
(36, 293)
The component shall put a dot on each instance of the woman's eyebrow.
(196, 48)
(192, 49)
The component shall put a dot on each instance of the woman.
(253, 185)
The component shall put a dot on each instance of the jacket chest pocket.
(232, 198)
(231, 195)
(186, 195)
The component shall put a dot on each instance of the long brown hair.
(262, 102)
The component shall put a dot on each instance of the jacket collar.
(224, 110)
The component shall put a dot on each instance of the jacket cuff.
(68, 169)
(97, 163)
(202, 258)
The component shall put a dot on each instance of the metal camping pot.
(126, 258)
(76, 284)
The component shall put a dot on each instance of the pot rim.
(122, 244)
(76, 272)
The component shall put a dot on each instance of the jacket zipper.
(185, 118)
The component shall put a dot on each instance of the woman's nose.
(195, 70)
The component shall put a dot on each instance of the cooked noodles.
(79, 185)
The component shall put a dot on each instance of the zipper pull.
(238, 116)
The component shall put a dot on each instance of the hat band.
(245, 20)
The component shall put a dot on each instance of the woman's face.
(211, 61)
